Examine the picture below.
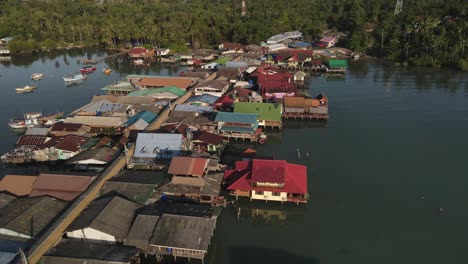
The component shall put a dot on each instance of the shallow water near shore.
(387, 173)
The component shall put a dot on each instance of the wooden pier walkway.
(98, 60)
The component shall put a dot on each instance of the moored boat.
(107, 71)
(262, 139)
(88, 69)
(26, 89)
(74, 77)
(138, 62)
(37, 76)
(30, 120)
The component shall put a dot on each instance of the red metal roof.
(224, 100)
(64, 187)
(31, 140)
(138, 50)
(69, 143)
(273, 171)
(278, 87)
(188, 166)
(294, 177)
(207, 137)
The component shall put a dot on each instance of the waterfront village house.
(301, 107)
(79, 251)
(26, 217)
(229, 47)
(204, 141)
(337, 65)
(213, 87)
(137, 185)
(224, 103)
(61, 148)
(168, 92)
(104, 108)
(193, 118)
(61, 186)
(63, 129)
(202, 100)
(193, 108)
(239, 94)
(152, 149)
(237, 125)
(162, 51)
(327, 42)
(286, 36)
(141, 120)
(19, 185)
(4, 51)
(205, 55)
(233, 74)
(188, 170)
(119, 88)
(173, 234)
(269, 114)
(272, 91)
(269, 180)
(96, 156)
(205, 75)
(100, 124)
(137, 53)
(150, 81)
(299, 76)
(294, 57)
(106, 219)
(190, 179)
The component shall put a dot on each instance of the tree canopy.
(427, 32)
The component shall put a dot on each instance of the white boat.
(74, 77)
(37, 76)
(26, 89)
(30, 120)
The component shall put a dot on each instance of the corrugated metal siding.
(318, 110)
(294, 110)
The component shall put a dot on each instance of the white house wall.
(8, 232)
(91, 234)
(268, 196)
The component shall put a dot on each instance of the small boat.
(74, 78)
(31, 119)
(37, 76)
(262, 139)
(107, 71)
(88, 69)
(26, 89)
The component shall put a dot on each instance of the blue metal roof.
(193, 108)
(154, 145)
(236, 118)
(205, 98)
(146, 116)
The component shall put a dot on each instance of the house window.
(259, 192)
(276, 193)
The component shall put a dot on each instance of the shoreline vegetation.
(429, 33)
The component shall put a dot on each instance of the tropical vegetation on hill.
(426, 32)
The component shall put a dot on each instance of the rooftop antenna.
(398, 7)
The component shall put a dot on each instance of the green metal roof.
(171, 89)
(266, 111)
(338, 63)
(222, 60)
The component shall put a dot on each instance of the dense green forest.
(426, 32)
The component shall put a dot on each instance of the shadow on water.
(255, 255)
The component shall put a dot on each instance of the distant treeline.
(426, 32)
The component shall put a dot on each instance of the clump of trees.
(426, 32)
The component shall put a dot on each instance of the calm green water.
(387, 174)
